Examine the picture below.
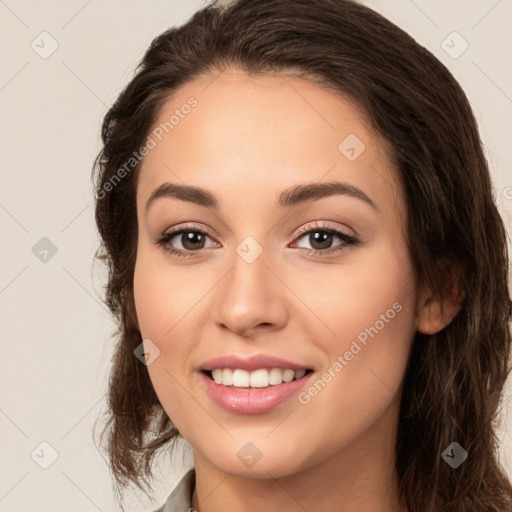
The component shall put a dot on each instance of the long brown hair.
(454, 381)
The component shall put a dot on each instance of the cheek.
(367, 289)
(163, 299)
(163, 294)
(368, 323)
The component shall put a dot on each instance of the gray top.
(180, 499)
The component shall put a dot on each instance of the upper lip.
(251, 363)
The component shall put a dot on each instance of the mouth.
(261, 378)
(256, 384)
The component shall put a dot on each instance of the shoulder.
(180, 499)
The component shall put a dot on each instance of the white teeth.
(217, 375)
(299, 374)
(240, 378)
(275, 376)
(260, 378)
(227, 376)
(288, 375)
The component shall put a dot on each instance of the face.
(294, 250)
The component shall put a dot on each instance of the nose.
(252, 298)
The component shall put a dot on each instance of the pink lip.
(252, 400)
(252, 363)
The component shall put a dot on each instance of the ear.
(435, 314)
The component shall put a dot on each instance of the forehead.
(249, 134)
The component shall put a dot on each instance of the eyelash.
(163, 241)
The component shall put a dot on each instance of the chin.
(259, 459)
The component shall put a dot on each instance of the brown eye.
(185, 242)
(192, 240)
(321, 240)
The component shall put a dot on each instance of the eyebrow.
(293, 196)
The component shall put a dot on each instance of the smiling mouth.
(261, 378)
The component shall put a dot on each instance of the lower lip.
(252, 400)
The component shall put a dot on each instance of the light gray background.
(55, 330)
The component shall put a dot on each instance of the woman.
(307, 267)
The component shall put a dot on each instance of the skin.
(248, 139)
